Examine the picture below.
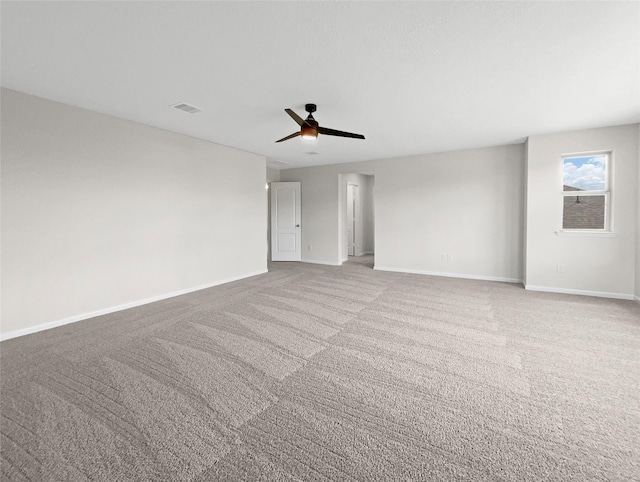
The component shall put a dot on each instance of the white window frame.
(606, 192)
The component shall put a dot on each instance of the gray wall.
(100, 213)
(597, 264)
(465, 204)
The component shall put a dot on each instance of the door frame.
(353, 189)
(290, 232)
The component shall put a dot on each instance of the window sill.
(587, 233)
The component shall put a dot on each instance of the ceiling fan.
(309, 128)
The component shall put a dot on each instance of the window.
(585, 192)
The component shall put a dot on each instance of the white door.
(286, 242)
(352, 194)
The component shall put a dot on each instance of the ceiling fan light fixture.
(309, 133)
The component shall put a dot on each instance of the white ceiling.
(413, 77)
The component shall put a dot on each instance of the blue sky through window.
(585, 172)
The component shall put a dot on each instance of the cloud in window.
(587, 173)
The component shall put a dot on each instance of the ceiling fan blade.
(333, 132)
(296, 117)
(295, 134)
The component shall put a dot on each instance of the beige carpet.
(331, 373)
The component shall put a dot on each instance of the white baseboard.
(364, 253)
(449, 275)
(112, 309)
(567, 291)
(637, 298)
(316, 261)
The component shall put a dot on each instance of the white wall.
(99, 212)
(596, 264)
(467, 204)
(273, 175)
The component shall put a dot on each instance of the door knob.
(297, 225)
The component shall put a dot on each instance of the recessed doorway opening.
(356, 215)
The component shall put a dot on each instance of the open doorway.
(356, 215)
(353, 200)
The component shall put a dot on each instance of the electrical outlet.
(449, 257)
(309, 247)
(560, 268)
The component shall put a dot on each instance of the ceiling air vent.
(187, 108)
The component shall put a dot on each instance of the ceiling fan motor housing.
(309, 130)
